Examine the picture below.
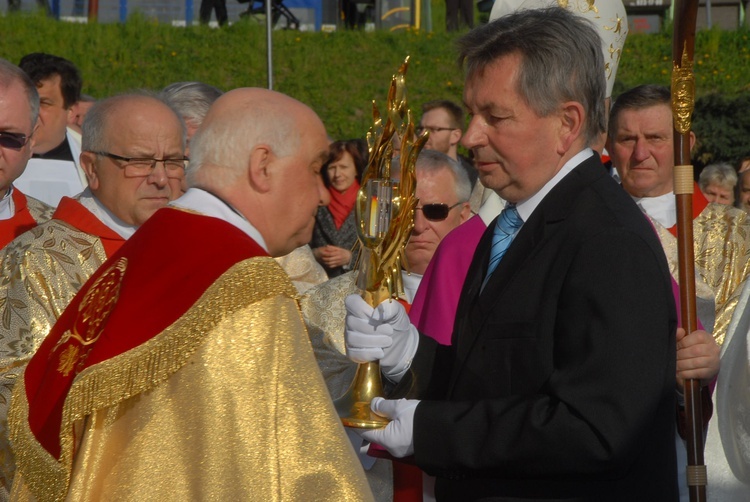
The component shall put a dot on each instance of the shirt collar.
(526, 207)
(196, 199)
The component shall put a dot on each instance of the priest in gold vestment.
(44, 268)
(641, 145)
(189, 376)
(19, 111)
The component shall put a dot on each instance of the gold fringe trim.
(45, 476)
(142, 368)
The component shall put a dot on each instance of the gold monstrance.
(385, 215)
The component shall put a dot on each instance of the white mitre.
(608, 15)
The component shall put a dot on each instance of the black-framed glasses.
(437, 212)
(433, 130)
(136, 167)
(14, 140)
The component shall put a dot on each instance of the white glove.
(382, 333)
(398, 436)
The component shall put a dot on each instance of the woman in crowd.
(335, 230)
(717, 182)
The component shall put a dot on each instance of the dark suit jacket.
(560, 383)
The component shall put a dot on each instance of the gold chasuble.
(181, 371)
(721, 237)
(40, 273)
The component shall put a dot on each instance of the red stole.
(699, 204)
(342, 203)
(172, 259)
(20, 222)
(73, 213)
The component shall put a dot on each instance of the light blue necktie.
(506, 228)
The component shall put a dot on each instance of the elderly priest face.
(133, 155)
(268, 169)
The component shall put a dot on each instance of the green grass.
(338, 74)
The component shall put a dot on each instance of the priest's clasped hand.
(398, 436)
(382, 333)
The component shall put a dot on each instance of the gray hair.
(431, 161)
(219, 151)
(10, 73)
(191, 99)
(561, 60)
(94, 137)
(721, 174)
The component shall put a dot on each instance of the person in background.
(641, 144)
(717, 183)
(442, 190)
(19, 110)
(220, 6)
(743, 185)
(444, 120)
(81, 108)
(335, 230)
(54, 170)
(192, 100)
(457, 13)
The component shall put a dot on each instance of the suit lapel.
(474, 306)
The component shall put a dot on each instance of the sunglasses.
(14, 140)
(437, 212)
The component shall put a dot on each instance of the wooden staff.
(683, 101)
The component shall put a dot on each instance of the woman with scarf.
(335, 230)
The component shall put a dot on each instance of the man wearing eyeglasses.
(55, 170)
(19, 107)
(187, 346)
(443, 190)
(133, 158)
(444, 120)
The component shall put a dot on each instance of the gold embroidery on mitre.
(582, 6)
(94, 309)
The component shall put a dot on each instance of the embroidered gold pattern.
(95, 307)
(68, 360)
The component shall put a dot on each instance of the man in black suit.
(560, 380)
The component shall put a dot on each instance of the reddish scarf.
(342, 203)
(75, 214)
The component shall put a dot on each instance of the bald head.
(261, 152)
(122, 136)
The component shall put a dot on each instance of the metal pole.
(123, 10)
(269, 43)
(709, 23)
